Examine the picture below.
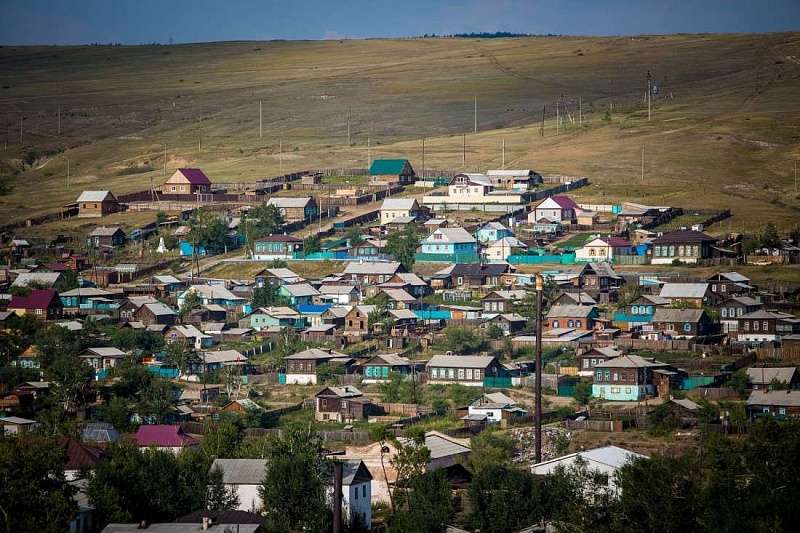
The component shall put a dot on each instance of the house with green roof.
(391, 171)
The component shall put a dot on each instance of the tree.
(295, 483)
(429, 506)
(67, 281)
(180, 354)
(462, 340)
(583, 392)
(220, 439)
(494, 331)
(220, 497)
(770, 238)
(738, 381)
(268, 296)
(265, 219)
(34, 494)
(161, 218)
(402, 245)
(208, 231)
(504, 500)
(491, 449)
(190, 300)
(70, 378)
(312, 244)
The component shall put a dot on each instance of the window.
(781, 410)
(755, 325)
(723, 288)
(616, 376)
(765, 325)
(585, 363)
(364, 490)
(594, 361)
(460, 373)
(569, 323)
(627, 390)
(724, 312)
(555, 323)
(355, 496)
(469, 373)
(598, 375)
(477, 374)
(451, 373)
(746, 325)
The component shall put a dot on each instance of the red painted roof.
(617, 242)
(79, 455)
(37, 299)
(162, 435)
(565, 202)
(195, 176)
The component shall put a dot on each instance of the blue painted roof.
(311, 309)
(433, 314)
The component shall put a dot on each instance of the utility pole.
(59, 120)
(260, 119)
(165, 160)
(68, 173)
(369, 153)
(423, 158)
(464, 151)
(349, 144)
(558, 118)
(649, 91)
(642, 163)
(337, 497)
(539, 290)
(503, 160)
(280, 154)
(580, 111)
(541, 128)
(475, 119)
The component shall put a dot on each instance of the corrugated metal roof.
(387, 167)
(460, 361)
(241, 471)
(684, 290)
(289, 201)
(94, 196)
(780, 398)
(765, 376)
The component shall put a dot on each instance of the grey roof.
(336, 289)
(764, 376)
(354, 471)
(320, 328)
(176, 527)
(655, 300)
(399, 203)
(399, 295)
(316, 353)
(224, 356)
(16, 420)
(403, 314)
(345, 391)
(105, 231)
(159, 309)
(478, 179)
(666, 314)
(761, 314)
(300, 290)
(612, 456)
(450, 235)
(241, 471)
(580, 298)
(748, 301)
(93, 196)
(372, 268)
(607, 351)
(87, 291)
(39, 278)
(167, 279)
(684, 290)
(629, 361)
(686, 403)
(460, 361)
(283, 273)
(106, 351)
(734, 277)
(391, 359)
(781, 398)
(494, 398)
(288, 201)
(441, 445)
(570, 311)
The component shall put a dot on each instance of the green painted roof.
(384, 167)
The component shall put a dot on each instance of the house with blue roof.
(312, 313)
(638, 312)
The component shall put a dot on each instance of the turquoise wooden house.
(449, 245)
(391, 171)
(87, 299)
(276, 317)
(379, 367)
(492, 231)
(298, 293)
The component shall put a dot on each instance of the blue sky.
(143, 21)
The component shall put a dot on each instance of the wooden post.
(59, 120)
(475, 124)
(642, 163)
(260, 119)
(464, 152)
(503, 159)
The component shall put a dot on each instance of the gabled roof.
(224, 356)
(387, 167)
(399, 295)
(95, 196)
(195, 176)
(279, 238)
(391, 359)
(441, 445)
(734, 277)
(477, 179)
(571, 311)
(213, 292)
(299, 290)
(450, 235)
(105, 231)
(372, 268)
(564, 202)
(162, 435)
(316, 353)
(609, 456)
(37, 299)
(405, 204)
(766, 315)
(104, 351)
(780, 398)
(765, 376)
(345, 391)
(507, 242)
(39, 278)
(337, 288)
(510, 173)
(403, 314)
(241, 471)
(666, 314)
(354, 471)
(289, 201)
(629, 361)
(580, 298)
(80, 456)
(493, 226)
(683, 237)
(748, 301)
(684, 290)
(461, 361)
(159, 309)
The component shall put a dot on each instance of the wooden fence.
(595, 425)
(788, 354)
(338, 436)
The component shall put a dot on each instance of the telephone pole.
(503, 160)
(349, 144)
(68, 173)
(423, 158)
(464, 152)
(260, 119)
(541, 128)
(59, 120)
(642, 163)
(475, 116)
(165, 160)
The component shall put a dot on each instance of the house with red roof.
(41, 303)
(561, 209)
(604, 249)
(164, 437)
(187, 181)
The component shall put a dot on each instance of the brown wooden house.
(155, 313)
(341, 404)
(97, 204)
(103, 236)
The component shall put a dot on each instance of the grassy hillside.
(724, 132)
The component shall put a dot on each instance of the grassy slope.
(726, 139)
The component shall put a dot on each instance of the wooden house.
(399, 208)
(681, 323)
(730, 284)
(97, 204)
(467, 370)
(769, 378)
(780, 404)
(155, 313)
(40, 303)
(592, 357)
(379, 367)
(686, 246)
(301, 367)
(734, 307)
(294, 209)
(579, 317)
(633, 378)
(341, 404)
(103, 236)
(187, 181)
(391, 172)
